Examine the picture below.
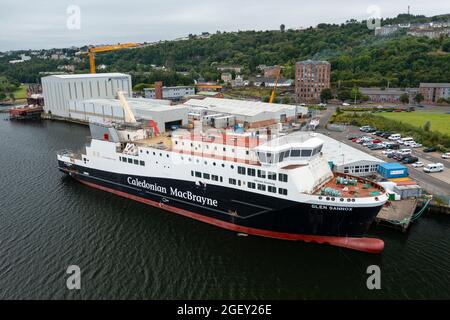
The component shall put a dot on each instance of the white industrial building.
(250, 113)
(346, 159)
(108, 110)
(172, 93)
(58, 90)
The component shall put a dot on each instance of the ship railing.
(69, 153)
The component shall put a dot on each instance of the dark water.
(129, 250)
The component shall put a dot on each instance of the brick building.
(432, 92)
(311, 77)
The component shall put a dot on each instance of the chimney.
(158, 90)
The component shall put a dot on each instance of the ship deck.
(362, 188)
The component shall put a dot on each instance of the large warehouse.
(250, 113)
(106, 110)
(58, 90)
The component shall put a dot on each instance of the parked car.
(395, 137)
(376, 146)
(388, 152)
(406, 140)
(352, 136)
(410, 160)
(386, 134)
(367, 144)
(376, 141)
(378, 133)
(415, 145)
(433, 167)
(322, 104)
(418, 164)
(430, 149)
(345, 104)
(446, 155)
(391, 155)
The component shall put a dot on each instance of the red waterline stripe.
(370, 245)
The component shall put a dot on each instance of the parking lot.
(437, 183)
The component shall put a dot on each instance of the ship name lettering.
(188, 195)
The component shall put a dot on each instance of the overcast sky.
(35, 24)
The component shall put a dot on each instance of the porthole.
(349, 200)
(353, 200)
(320, 198)
(328, 198)
(333, 199)
(342, 199)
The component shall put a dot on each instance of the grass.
(21, 92)
(439, 122)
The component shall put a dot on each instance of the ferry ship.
(256, 182)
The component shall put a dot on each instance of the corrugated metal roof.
(239, 107)
(435, 85)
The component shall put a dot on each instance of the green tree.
(344, 95)
(326, 95)
(404, 98)
(419, 98)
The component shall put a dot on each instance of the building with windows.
(432, 92)
(346, 159)
(311, 77)
(170, 93)
(391, 95)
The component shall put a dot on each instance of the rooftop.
(239, 107)
(435, 85)
(88, 75)
(340, 153)
(392, 165)
(313, 62)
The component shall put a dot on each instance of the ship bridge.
(290, 150)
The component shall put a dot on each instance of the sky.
(46, 24)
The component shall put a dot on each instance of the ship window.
(221, 179)
(272, 189)
(282, 191)
(261, 174)
(142, 163)
(239, 182)
(214, 164)
(124, 159)
(192, 173)
(261, 187)
(148, 152)
(262, 156)
(295, 153)
(176, 142)
(136, 161)
(272, 175)
(251, 185)
(198, 174)
(215, 178)
(283, 177)
(241, 170)
(281, 157)
(223, 165)
(251, 172)
(232, 167)
(306, 153)
(286, 154)
(130, 160)
(247, 152)
(232, 181)
(206, 176)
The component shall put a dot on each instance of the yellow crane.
(92, 51)
(272, 96)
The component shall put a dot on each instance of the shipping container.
(392, 170)
(408, 191)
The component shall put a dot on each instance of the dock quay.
(400, 214)
(397, 214)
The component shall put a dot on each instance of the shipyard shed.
(109, 110)
(393, 170)
(58, 90)
(346, 159)
(249, 113)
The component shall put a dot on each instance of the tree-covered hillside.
(358, 57)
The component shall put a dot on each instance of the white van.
(434, 167)
(395, 137)
(404, 152)
(406, 140)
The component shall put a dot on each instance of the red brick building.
(432, 92)
(311, 77)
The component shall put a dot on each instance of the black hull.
(237, 207)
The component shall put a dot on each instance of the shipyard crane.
(272, 96)
(92, 51)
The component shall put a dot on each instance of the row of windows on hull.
(232, 181)
(132, 161)
(263, 174)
